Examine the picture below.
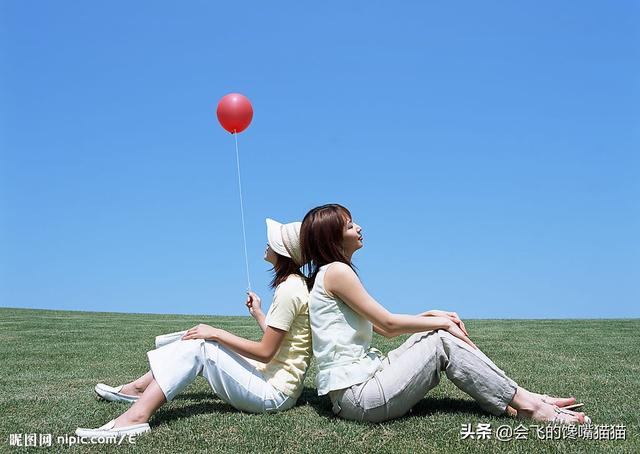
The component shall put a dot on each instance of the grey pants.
(412, 369)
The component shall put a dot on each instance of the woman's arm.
(432, 313)
(341, 281)
(452, 315)
(382, 332)
(262, 351)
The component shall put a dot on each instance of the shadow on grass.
(426, 407)
(321, 405)
(167, 414)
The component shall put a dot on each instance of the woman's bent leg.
(176, 365)
(232, 377)
(237, 382)
(142, 410)
(165, 339)
(411, 370)
(137, 386)
(471, 371)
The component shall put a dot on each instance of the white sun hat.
(285, 239)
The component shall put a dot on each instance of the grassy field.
(51, 360)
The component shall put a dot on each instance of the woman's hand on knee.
(202, 331)
(455, 330)
(450, 315)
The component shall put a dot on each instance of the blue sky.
(488, 149)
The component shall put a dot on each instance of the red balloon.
(234, 112)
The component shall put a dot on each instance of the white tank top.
(341, 339)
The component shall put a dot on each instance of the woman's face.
(352, 237)
(270, 255)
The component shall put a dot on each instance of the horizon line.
(249, 316)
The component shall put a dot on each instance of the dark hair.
(283, 268)
(321, 237)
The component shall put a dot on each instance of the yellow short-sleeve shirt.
(289, 312)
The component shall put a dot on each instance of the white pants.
(232, 377)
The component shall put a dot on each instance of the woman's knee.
(423, 335)
(190, 344)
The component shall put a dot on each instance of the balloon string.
(244, 235)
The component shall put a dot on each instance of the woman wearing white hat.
(257, 377)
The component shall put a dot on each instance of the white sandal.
(109, 431)
(547, 400)
(113, 394)
(560, 411)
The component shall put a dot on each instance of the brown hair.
(321, 238)
(283, 268)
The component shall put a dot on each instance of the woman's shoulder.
(336, 273)
(338, 269)
(293, 285)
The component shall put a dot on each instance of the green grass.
(51, 360)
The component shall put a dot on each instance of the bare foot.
(559, 401)
(545, 412)
(526, 404)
